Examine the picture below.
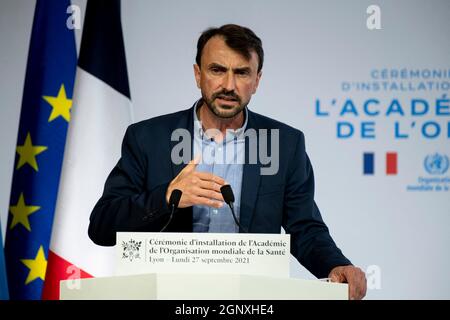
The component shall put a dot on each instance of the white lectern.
(201, 266)
(201, 287)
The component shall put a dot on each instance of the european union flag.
(44, 119)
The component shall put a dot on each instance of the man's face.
(226, 79)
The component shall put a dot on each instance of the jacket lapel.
(250, 180)
(185, 122)
(182, 221)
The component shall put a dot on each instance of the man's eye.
(243, 73)
(216, 70)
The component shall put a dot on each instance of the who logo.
(436, 164)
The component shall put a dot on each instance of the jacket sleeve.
(311, 242)
(126, 204)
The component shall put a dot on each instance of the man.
(227, 71)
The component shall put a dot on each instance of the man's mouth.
(227, 98)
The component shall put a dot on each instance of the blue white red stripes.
(391, 163)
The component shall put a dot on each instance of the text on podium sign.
(228, 253)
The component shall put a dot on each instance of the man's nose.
(229, 82)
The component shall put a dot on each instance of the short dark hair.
(241, 39)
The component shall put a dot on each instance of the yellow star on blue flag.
(60, 104)
(36, 266)
(28, 152)
(20, 213)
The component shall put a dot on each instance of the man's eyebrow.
(240, 69)
(216, 65)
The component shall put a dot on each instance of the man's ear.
(258, 77)
(197, 75)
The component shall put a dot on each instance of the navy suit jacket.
(134, 194)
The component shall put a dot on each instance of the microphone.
(228, 197)
(174, 200)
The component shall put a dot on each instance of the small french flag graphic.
(369, 163)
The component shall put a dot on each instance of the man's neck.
(210, 121)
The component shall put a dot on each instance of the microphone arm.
(231, 205)
(174, 200)
(228, 197)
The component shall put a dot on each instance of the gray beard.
(217, 112)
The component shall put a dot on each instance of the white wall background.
(311, 47)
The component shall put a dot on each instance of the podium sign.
(205, 253)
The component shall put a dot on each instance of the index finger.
(356, 285)
(352, 291)
(210, 177)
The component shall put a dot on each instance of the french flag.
(369, 163)
(100, 116)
